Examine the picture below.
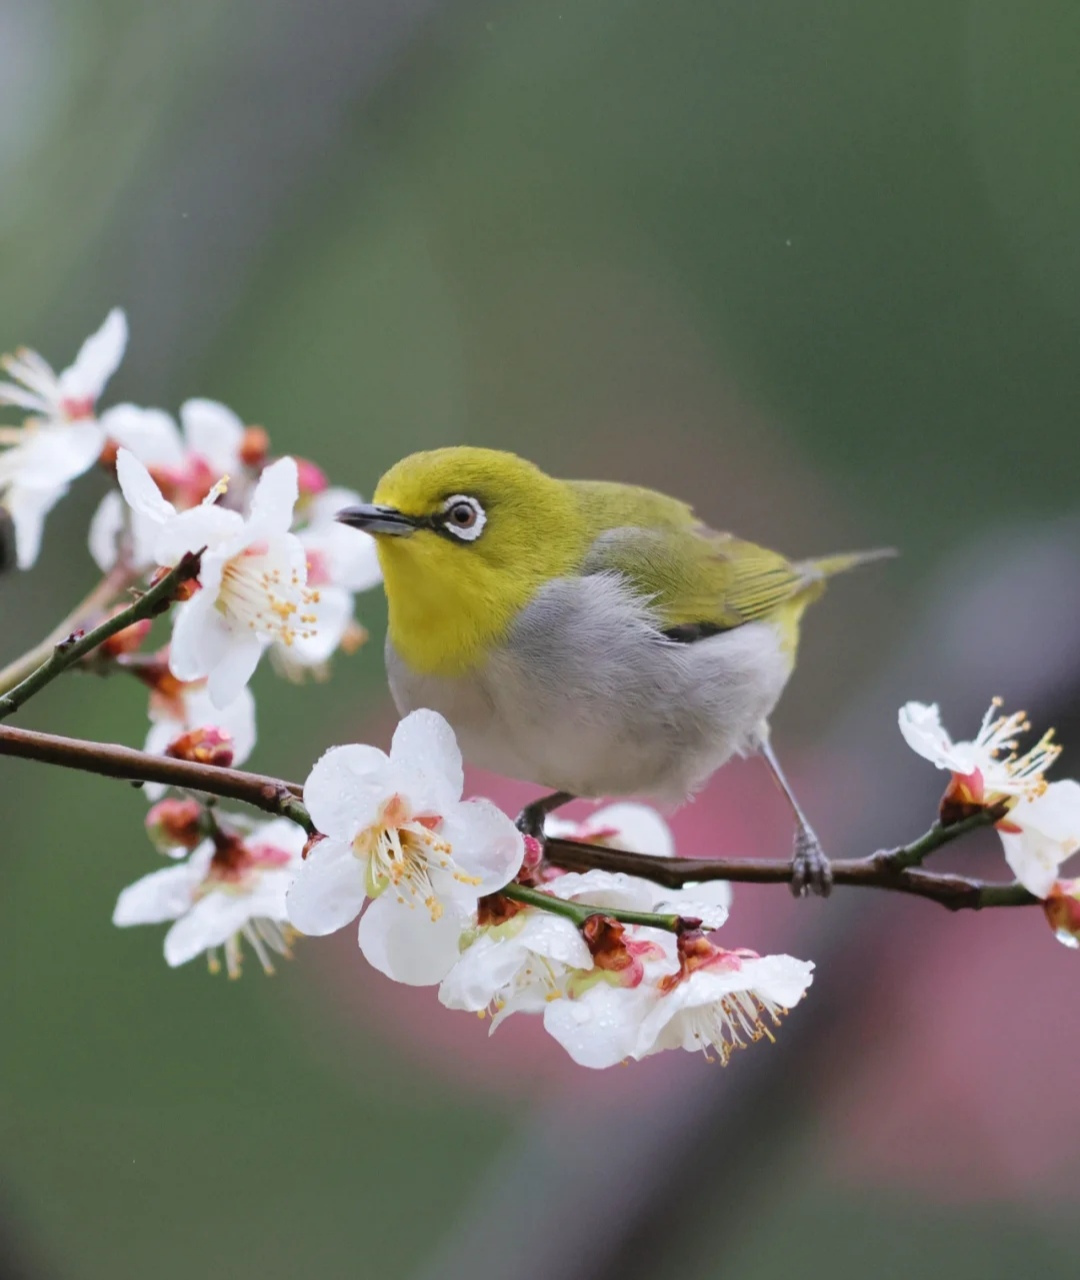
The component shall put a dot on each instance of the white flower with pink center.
(253, 577)
(60, 399)
(400, 839)
(704, 999)
(231, 889)
(185, 462)
(1041, 828)
(340, 562)
(61, 439)
(516, 966)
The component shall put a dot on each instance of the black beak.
(381, 520)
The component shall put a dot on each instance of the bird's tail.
(828, 566)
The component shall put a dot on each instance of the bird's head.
(465, 538)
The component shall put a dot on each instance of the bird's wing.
(697, 580)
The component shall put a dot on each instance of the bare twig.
(891, 870)
(261, 792)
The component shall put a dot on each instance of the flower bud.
(203, 746)
(254, 446)
(312, 479)
(175, 824)
(184, 590)
(1062, 907)
(127, 641)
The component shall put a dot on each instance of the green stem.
(914, 854)
(579, 912)
(74, 647)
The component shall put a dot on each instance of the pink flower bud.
(254, 447)
(203, 746)
(175, 824)
(312, 479)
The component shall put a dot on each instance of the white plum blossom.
(516, 966)
(253, 577)
(185, 462)
(398, 833)
(340, 562)
(727, 1003)
(70, 396)
(231, 888)
(190, 707)
(1041, 827)
(636, 828)
(711, 1000)
(61, 439)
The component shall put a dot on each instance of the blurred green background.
(815, 266)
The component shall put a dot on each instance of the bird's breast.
(587, 696)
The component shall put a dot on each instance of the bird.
(593, 638)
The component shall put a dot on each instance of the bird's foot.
(530, 821)
(810, 869)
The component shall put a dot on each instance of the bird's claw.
(530, 821)
(810, 869)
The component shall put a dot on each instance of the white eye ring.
(467, 532)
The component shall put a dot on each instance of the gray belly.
(587, 696)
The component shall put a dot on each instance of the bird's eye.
(463, 517)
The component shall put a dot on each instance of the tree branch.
(271, 795)
(891, 870)
(73, 647)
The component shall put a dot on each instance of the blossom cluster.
(446, 890)
(278, 574)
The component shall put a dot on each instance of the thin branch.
(70, 649)
(890, 870)
(271, 795)
(94, 603)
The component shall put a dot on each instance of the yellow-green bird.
(594, 638)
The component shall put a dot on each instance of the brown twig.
(271, 795)
(894, 870)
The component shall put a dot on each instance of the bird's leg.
(530, 821)
(809, 865)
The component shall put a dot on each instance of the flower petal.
(229, 676)
(481, 971)
(162, 895)
(213, 432)
(275, 496)
(1049, 834)
(328, 890)
(484, 843)
(346, 789)
(425, 744)
(28, 509)
(98, 359)
(140, 492)
(106, 526)
(601, 1027)
(209, 922)
(150, 434)
(200, 638)
(406, 944)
